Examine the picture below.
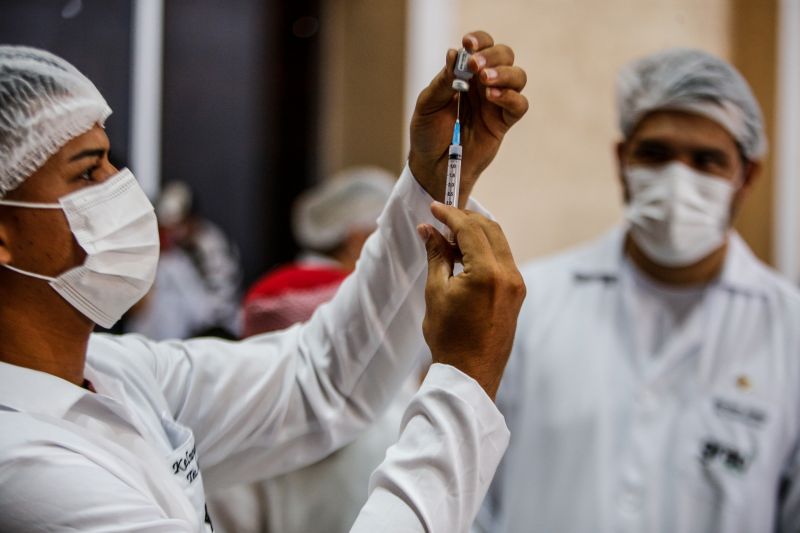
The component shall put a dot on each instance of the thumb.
(438, 94)
(440, 256)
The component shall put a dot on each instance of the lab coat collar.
(605, 259)
(36, 392)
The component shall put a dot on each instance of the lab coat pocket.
(183, 462)
(722, 444)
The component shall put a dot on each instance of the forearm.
(307, 391)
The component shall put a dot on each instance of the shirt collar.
(33, 391)
(740, 272)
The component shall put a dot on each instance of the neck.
(41, 331)
(345, 259)
(699, 273)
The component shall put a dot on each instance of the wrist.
(426, 177)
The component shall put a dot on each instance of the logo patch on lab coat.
(715, 452)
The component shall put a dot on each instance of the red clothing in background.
(289, 294)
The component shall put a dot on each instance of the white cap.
(693, 81)
(174, 204)
(44, 103)
(352, 199)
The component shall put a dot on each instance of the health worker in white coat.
(103, 433)
(654, 384)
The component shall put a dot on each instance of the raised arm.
(279, 401)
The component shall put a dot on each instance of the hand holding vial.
(491, 104)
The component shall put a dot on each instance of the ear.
(620, 152)
(750, 173)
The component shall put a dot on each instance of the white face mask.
(115, 224)
(677, 215)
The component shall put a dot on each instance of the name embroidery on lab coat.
(186, 465)
(752, 416)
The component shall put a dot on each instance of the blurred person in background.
(331, 222)
(654, 383)
(101, 432)
(196, 289)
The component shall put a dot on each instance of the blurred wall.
(362, 84)
(75, 31)
(754, 52)
(555, 181)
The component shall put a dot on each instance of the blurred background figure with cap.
(331, 223)
(196, 291)
(654, 383)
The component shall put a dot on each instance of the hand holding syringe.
(460, 84)
(489, 108)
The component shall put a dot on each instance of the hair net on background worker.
(696, 82)
(44, 102)
(351, 199)
(174, 204)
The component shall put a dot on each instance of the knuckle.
(493, 225)
(518, 287)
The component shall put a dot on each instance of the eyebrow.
(91, 152)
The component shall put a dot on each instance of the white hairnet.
(696, 82)
(174, 204)
(44, 102)
(352, 199)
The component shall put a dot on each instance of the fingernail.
(473, 41)
(490, 73)
(480, 61)
(494, 93)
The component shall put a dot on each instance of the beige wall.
(753, 50)
(554, 183)
(362, 84)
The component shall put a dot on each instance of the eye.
(710, 162)
(652, 153)
(87, 175)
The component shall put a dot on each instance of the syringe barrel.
(453, 175)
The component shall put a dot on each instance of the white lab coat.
(606, 439)
(175, 418)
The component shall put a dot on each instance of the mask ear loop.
(32, 205)
(29, 274)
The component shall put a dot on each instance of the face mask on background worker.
(677, 214)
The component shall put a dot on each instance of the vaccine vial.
(461, 72)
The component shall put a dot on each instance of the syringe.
(454, 166)
(460, 84)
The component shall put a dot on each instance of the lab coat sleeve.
(434, 478)
(61, 490)
(277, 402)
